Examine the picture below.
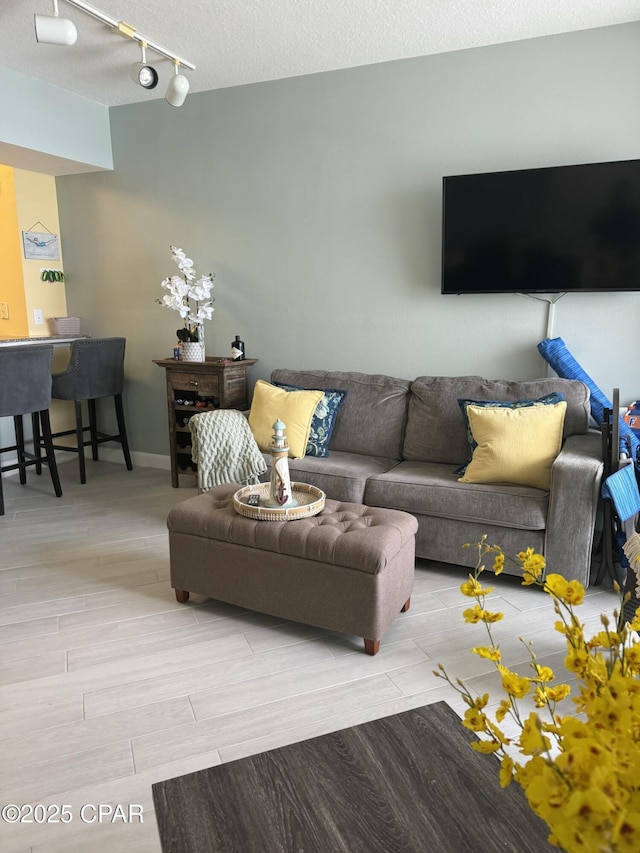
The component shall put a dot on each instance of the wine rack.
(193, 387)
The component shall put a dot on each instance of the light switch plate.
(37, 316)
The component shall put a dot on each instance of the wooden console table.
(201, 386)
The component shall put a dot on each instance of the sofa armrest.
(573, 501)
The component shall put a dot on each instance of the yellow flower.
(532, 566)
(486, 747)
(488, 616)
(470, 587)
(583, 823)
(546, 791)
(626, 832)
(481, 702)
(604, 640)
(581, 772)
(540, 697)
(489, 652)
(557, 693)
(574, 593)
(473, 614)
(503, 709)
(498, 564)
(590, 805)
(632, 659)
(634, 625)
(474, 720)
(506, 771)
(543, 673)
(478, 614)
(555, 584)
(573, 632)
(532, 741)
(514, 684)
(525, 555)
(529, 578)
(570, 592)
(473, 588)
(497, 733)
(577, 660)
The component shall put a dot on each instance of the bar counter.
(56, 340)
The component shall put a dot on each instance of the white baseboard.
(145, 460)
(107, 454)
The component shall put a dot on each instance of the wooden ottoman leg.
(182, 595)
(371, 647)
(405, 606)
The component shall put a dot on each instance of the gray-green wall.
(317, 201)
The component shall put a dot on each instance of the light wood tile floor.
(109, 685)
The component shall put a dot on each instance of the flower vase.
(194, 350)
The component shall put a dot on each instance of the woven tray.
(310, 502)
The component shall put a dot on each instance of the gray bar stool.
(25, 388)
(96, 370)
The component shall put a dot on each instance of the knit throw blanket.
(224, 449)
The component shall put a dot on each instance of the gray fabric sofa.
(397, 443)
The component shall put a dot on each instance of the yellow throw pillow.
(515, 446)
(294, 408)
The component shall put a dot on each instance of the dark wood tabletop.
(409, 782)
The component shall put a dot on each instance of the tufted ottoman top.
(343, 534)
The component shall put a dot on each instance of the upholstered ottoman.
(348, 569)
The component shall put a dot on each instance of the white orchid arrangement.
(189, 295)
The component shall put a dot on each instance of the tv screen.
(549, 230)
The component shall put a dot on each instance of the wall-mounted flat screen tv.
(549, 230)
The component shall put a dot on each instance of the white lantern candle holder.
(280, 492)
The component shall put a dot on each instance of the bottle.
(237, 349)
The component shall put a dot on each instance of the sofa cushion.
(373, 416)
(323, 420)
(436, 431)
(295, 409)
(342, 476)
(516, 446)
(541, 401)
(432, 489)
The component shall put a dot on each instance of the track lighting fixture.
(178, 88)
(51, 29)
(55, 30)
(145, 75)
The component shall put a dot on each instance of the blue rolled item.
(555, 352)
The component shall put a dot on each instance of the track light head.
(54, 30)
(178, 88)
(144, 75)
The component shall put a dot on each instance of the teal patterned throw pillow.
(547, 400)
(323, 419)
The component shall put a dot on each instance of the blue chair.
(95, 371)
(25, 388)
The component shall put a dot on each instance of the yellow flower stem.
(559, 773)
(580, 777)
(459, 686)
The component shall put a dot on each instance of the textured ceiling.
(244, 41)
